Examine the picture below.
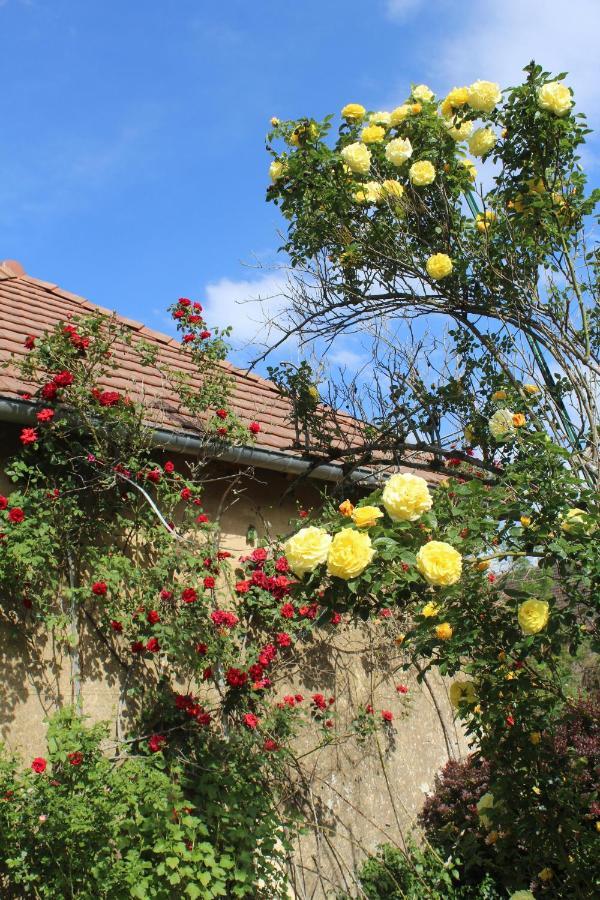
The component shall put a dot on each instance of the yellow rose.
(484, 220)
(482, 141)
(483, 565)
(430, 610)
(357, 157)
(399, 114)
(353, 112)
(555, 97)
(421, 173)
(470, 166)
(372, 134)
(277, 169)
(350, 554)
(439, 266)
(443, 631)
(456, 98)
(346, 508)
(483, 95)
(398, 151)
(501, 425)
(366, 516)
(416, 109)
(439, 563)
(370, 192)
(459, 132)
(422, 92)
(307, 549)
(519, 420)
(406, 497)
(546, 874)
(574, 521)
(499, 395)
(381, 118)
(533, 616)
(392, 189)
(462, 692)
(535, 737)
(485, 803)
(525, 521)
(313, 392)
(531, 389)
(274, 121)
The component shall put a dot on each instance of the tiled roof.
(30, 306)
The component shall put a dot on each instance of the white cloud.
(250, 306)
(347, 359)
(401, 9)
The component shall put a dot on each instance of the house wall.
(359, 795)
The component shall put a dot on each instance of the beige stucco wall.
(356, 795)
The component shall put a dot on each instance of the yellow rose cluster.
(439, 563)
(347, 554)
(406, 497)
(439, 266)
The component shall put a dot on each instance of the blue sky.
(132, 162)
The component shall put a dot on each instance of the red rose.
(185, 494)
(223, 554)
(298, 698)
(166, 595)
(222, 617)
(236, 678)
(116, 626)
(282, 565)
(328, 723)
(28, 436)
(49, 391)
(510, 721)
(221, 413)
(287, 611)
(270, 745)
(242, 587)
(178, 314)
(369, 709)
(45, 415)
(254, 427)
(63, 379)
(202, 518)
(169, 467)
(250, 721)
(204, 335)
(209, 582)
(385, 613)
(156, 743)
(207, 673)
(201, 648)
(3, 502)
(153, 646)
(289, 700)
(491, 578)
(303, 513)
(137, 647)
(16, 515)
(197, 306)
(30, 342)
(75, 757)
(39, 765)
(107, 398)
(319, 701)
(99, 588)
(336, 618)
(259, 555)
(153, 617)
(183, 301)
(194, 320)
(153, 476)
(386, 715)
(405, 567)
(402, 689)
(256, 672)
(283, 639)
(189, 595)
(267, 655)
(187, 338)
(309, 612)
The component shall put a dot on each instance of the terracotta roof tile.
(30, 306)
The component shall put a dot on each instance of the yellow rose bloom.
(392, 189)
(535, 737)
(470, 166)
(484, 95)
(349, 554)
(483, 565)
(346, 508)
(422, 92)
(482, 141)
(533, 616)
(439, 266)
(439, 563)
(456, 98)
(443, 631)
(531, 389)
(353, 112)
(574, 521)
(525, 521)
(484, 220)
(274, 121)
(366, 516)
(421, 173)
(555, 97)
(499, 395)
(485, 804)
(430, 610)
(372, 134)
(381, 118)
(370, 192)
(357, 157)
(307, 549)
(501, 425)
(546, 874)
(398, 151)
(313, 392)
(519, 420)
(406, 497)
(399, 114)
(462, 692)
(459, 132)
(277, 170)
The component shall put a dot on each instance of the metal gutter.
(24, 413)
